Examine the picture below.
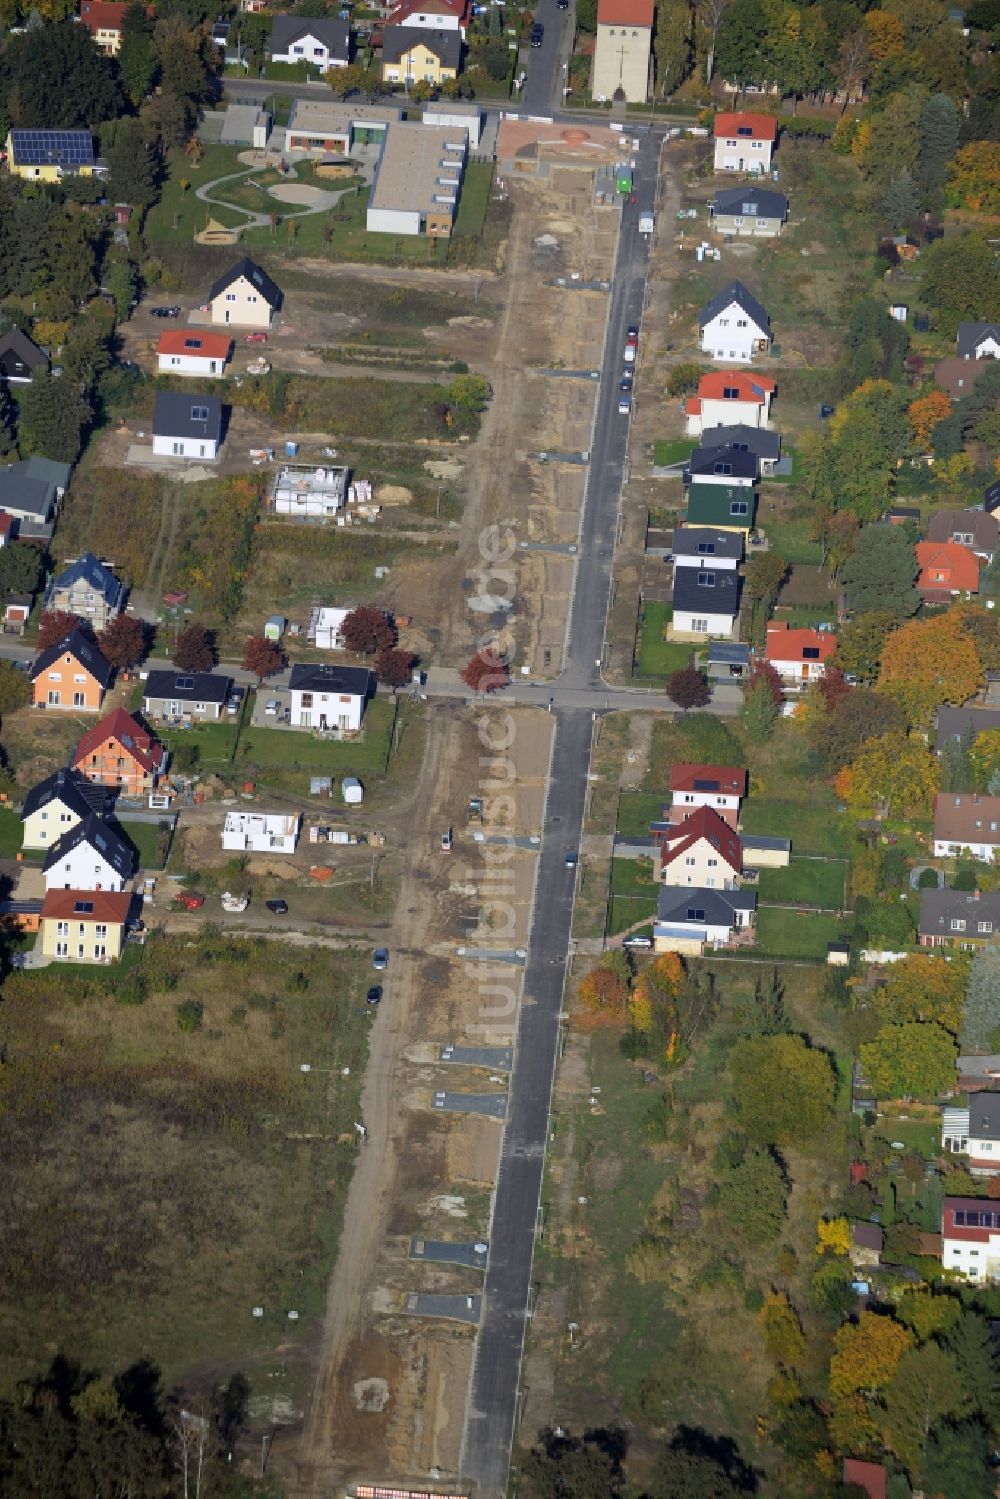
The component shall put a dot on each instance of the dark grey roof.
(69, 787)
(98, 577)
(321, 677)
(905, 512)
(100, 835)
(761, 840)
(188, 686)
(22, 495)
(953, 723)
(704, 541)
(726, 462)
(981, 525)
(716, 590)
(83, 648)
(174, 415)
(15, 341)
(939, 908)
(268, 289)
(753, 202)
(735, 292)
(48, 469)
(446, 45)
(971, 335)
(766, 445)
(676, 904)
(729, 653)
(333, 33)
(984, 1116)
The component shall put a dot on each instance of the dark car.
(537, 34)
(165, 311)
(374, 996)
(562, 4)
(277, 907)
(627, 380)
(632, 334)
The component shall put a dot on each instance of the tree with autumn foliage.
(688, 688)
(762, 673)
(54, 625)
(195, 649)
(603, 992)
(930, 661)
(926, 411)
(893, 774)
(488, 671)
(925, 986)
(124, 641)
(866, 1354)
(781, 1329)
(974, 178)
(861, 641)
(833, 1236)
(914, 1060)
(653, 1003)
(367, 630)
(394, 666)
(263, 657)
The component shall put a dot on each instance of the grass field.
(10, 833)
(159, 1184)
(813, 826)
(215, 743)
(149, 842)
(667, 451)
(806, 882)
(791, 538)
(264, 750)
(626, 910)
(656, 657)
(637, 809)
(477, 184)
(795, 934)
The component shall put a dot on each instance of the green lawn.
(215, 743)
(656, 657)
(149, 843)
(626, 880)
(10, 833)
(477, 184)
(814, 826)
(637, 809)
(795, 934)
(806, 882)
(179, 213)
(626, 910)
(790, 538)
(673, 450)
(262, 750)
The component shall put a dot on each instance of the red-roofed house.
(622, 51)
(432, 15)
(120, 752)
(946, 569)
(719, 787)
(7, 524)
(970, 1237)
(799, 656)
(103, 19)
(84, 926)
(744, 142)
(729, 398)
(702, 850)
(871, 1477)
(193, 351)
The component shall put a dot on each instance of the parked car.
(233, 705)
(627, 381)
(570, 860)
(191, 900)
(632, 333)
(272, 707)
(374, 996)
(624, 406)
(380, 959)
(165, 311)
(277, 907)
(641, 943)
(256, 338)
(446, 841)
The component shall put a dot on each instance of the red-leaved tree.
(54, 625)
(262, 656)
(123, 642)
(763, 671)
(688, 688)
(394, 666)
(833, 686)
(367, 630)
(486, 672)
(195, 649)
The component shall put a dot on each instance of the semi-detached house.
(959, 918)
(974, 1133)
(966, 825)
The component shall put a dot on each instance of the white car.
(272, 707)
(624, 406)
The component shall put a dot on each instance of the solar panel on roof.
(702, 785)
(184, 684)
(52, 147)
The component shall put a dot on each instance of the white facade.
(190, 364)
(734, 413)
(798, 673)
(83, 868)
(743, 154)
(330, 712)
(982, 1153)
(699, 559)
(703, 866)
(309, 48)
(310, 493)
(732, 335)
(204, 449)
(457, 116)
(261, 832)
(977, 1259)
(698, 622)
(684, 803)
(951, 848)
(47, 824)
(324, 627)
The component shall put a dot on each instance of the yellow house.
(84, 926)
(415, 54)
(50, 155)
(245, 297)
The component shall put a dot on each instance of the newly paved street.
(493, 1405)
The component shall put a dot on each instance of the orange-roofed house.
(120, 752)
(946, 568)
(85, 926)
(744, 142)
(623, 48)
(720, 787)
(799, 656)
(872, 1477)
(729, 398)
(193, 351)
(702, 851)
(103, 19)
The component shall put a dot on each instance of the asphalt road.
(493, 1404)
(542, 91)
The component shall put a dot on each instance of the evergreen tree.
(52, 420)
(759, 713)
(900, 204)
(764, 1014)
(938, 132)
(982, 1000)
(132, 165)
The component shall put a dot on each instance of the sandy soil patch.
(298, 192)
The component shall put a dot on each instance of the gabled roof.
(102, 15)
(176, 413)
(319, 676)
(939, 908)
(736, 293)
(70, 788)
(624, 12)
(706, 543)
(966, 817)
(96, 575)
(102, 838)
(195, 342)
(871, 1477)
(757, 127)
(705, 824)
(984, 1115)
(945, 565)
(446, 46)
(86, 652)
(756, 440)
(735, 385)
(29, 486)
(972, 718)
(866, 1236)
(724, 460)
(722, 780)
(680, 904)
(787, 644)
(188, 686)
(971, 335)
(713, 590)
(134, 738)
(18, 343)
(460, 9)
(111, 906)
(249, 269)
(712, 505)
(330, 32)
(750, 201)
(981, 525)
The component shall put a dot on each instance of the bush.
(133, 988)
(927, 879)
(189, 1016)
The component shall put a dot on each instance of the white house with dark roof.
(245, 297)
(91, 856)
(187, 426)
(197, 695)
(703, 546)
(329, 698)
(974, 1133)
(978, 340)
(748, 212)
(734, 326)
(20, 358)
(740, 438)
(56, 805)
(687, 920)
(323, 42)
(706, 601)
